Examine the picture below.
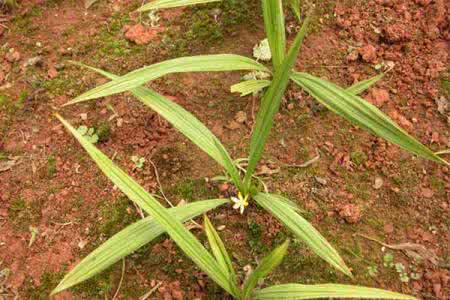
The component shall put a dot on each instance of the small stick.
(121, 280)
(145, 297)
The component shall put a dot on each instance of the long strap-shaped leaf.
(201, 63)
(271, 103)
(363, 85)
(302, 230)
(160, 4)
(274, 27)
(249, 86)
(129, 240)
(186, 123)
(182, 237)
(301, 291)
(221, 254)
(267, 265)
(362, 113)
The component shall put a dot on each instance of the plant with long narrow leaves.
(344, 102)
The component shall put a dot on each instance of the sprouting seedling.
(388, 260)
(372, 271)
(34, 233)
(138, 161)
(344, 102)
(89, 133)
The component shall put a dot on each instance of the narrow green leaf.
(160, 4)
(302, 230)
(267, 265)
(270, 104)
(182, 237)
(443, 152)
(295, 6)
(129, 240)
(249, 86)
(221, 254)
(362, 86)
(201, 63)
(274, 27)
(301, 291)
(362, 113)
(186, 123)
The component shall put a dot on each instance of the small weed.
(51, 166)
(88, 133)
(358, 157)
(138, 161)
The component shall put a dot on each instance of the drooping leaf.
(160, 4)
(301, 291)
(220, 253)
(302, 229)
(174, 228)
(267, 265)
(129, 240)
(186, 123)
(249, 87)
(362, 86)
(270, 104)
(201, 63)
(274, 27)
(362, 113)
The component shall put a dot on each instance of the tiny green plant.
(343, 101)
(89, 133)
(138, 161)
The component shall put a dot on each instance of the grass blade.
(129, 240)
(362, 86)
(201, 63)
(249, 87)
(182, 237)
(159, 4)
(270, 104)
(302, 230)
(362, 113)
(186, 123)
(266, 266)
(295, 6)
(274, 27)
(301, 291)
(220, 253)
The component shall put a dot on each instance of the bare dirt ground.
(56, 206)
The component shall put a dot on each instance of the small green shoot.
(88, 133)
(138, 161)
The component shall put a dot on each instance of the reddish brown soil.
(412, 205)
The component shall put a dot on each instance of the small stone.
(388, 228)
(224, 187)
(241, 117)
(13, 55)
(52, 73)
(353, 56)
(34, 61)
(119, 122)
(351, 213)
(141, 35)
(427, 193)
(320, 180)
(378, 96)
(368, 53)
(233, 125)
(221, 227)
(378, 183)
(83, 116)
(59, 67)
